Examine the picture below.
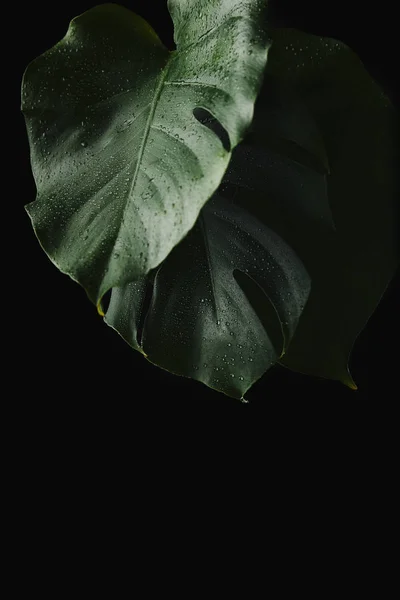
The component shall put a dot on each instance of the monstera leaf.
(198, 316)
(121, 163)
(290, 256)
(318, 167)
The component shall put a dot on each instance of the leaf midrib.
(149, 121)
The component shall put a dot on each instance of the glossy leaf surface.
(121, 162)
(222, 307)
(319, 168)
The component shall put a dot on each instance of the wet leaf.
(222, 307)
(319, 168)
(122, 162)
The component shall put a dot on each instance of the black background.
(73, 367)
(108, 455)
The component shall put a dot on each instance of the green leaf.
(319, 168)
(222, 307)
(121, 163)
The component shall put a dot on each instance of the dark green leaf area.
(319, 168)
(223, 306)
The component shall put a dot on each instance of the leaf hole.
(105, 301)
(208, 120)
(263, 308)
(144, 310)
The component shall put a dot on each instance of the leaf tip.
(349, 381)
(99, 309)
(352, 385)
